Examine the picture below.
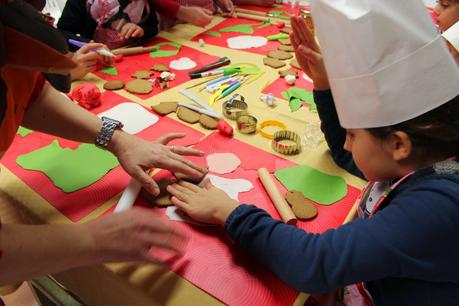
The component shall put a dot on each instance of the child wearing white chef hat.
(383, 60)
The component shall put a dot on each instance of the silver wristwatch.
(109, 126)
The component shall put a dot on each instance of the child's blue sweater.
(408, 253)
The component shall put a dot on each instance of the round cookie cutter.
(286, 142)
(233, 108)
(247, 124)
(267, 123)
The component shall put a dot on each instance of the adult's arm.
(53, 113)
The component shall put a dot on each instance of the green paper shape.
(240, 28)
(214, 33)
(68, 169)
(303, 95)
(277, 5)
(165, 53)
(295, 104)
(279, 14)
(320, 187)
(277, 36)
(265, 24)
(110, 70)
(24, 131)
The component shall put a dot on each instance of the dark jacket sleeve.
(335, 135)
(76, 22)
(399, 241)
(150, 25)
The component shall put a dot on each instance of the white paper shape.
(246, 42)
(175, 214)
(134, 117)
(222, 163)
(183, 63)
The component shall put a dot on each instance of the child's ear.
(400, 145)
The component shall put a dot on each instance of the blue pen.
(80, 44)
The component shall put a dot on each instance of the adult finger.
(130, 31)
(207, 184)
(183, 162)
(186, 151)
(166, 138)
(90, 46)
(146, 181)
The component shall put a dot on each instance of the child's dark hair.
(434, 134)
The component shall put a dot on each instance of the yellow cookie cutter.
(267, 123)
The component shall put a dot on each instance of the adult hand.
(131, 30)
(195, 15)
(208, 204)
(87, 59)
(136, 155)
(308, 53)
(226, 6)
(131, 235)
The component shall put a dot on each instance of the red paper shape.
(78, 204)
(132, 63)
(213, 263)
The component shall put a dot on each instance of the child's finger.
(183, 190)
(207, 184)
(190, 186)
(180, 204)
(312, 56)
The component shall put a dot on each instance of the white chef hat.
(452, 35)
(385, 60)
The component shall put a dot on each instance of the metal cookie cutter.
(247, 124)
(233, 108)
(286, 142)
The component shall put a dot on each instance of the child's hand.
(308, 53)
(226, 6)
(87, 58)
(195, 15)
(209, 204)
(131, 30)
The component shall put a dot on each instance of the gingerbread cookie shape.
(187, 114)
(184, 177)
(273, 63)
(302, 207)
(285, 42)
(165, 108)
(286, 48)
(160, 68)
(288, 71)
(114, 85)
(208, 122)
(280, 55)
(139, 86)
(142, 74)
(164, 198)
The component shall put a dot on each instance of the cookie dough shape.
(208, 122)
(160, 68)
(187, 115)
(273, 63)
(165, 108)
(294, 64)
(139, 86)
(285, 72)
(286, 48)
(302, 207)
(285, 42)
(280, 55)
(114, 85)
(142, 74)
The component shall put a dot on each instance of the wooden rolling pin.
(133, 50)
(279, 202)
